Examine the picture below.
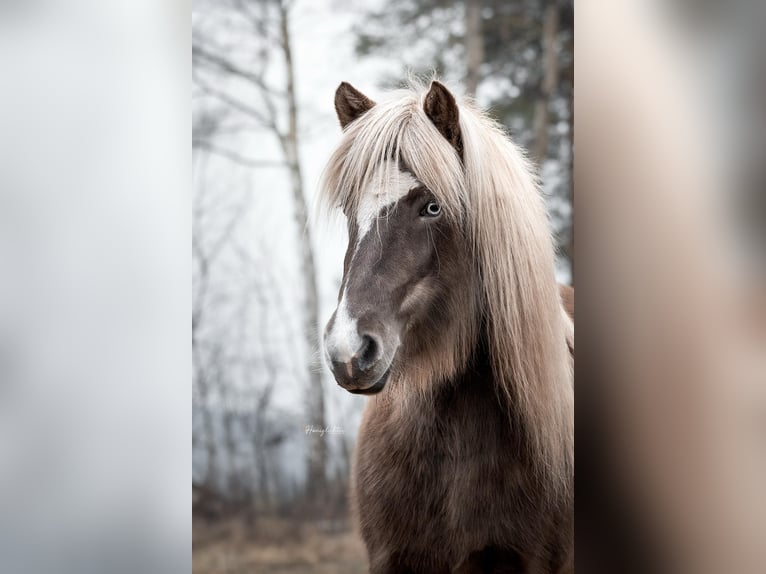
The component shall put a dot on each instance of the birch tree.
(253, 38)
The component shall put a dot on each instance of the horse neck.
(471, 393)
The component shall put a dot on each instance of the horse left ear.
(350, 103)
(441, 108)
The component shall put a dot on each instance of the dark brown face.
(404, 265)
(400, 263)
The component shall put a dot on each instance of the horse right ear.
(441, 108)
(350, 103)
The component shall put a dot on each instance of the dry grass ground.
(274, 546)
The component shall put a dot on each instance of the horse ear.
(440, 106)
(350, 103)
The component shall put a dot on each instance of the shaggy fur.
(465, 459)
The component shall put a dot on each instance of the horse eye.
(432, 209)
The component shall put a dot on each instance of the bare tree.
(208, 241)
(261, 284)
(204, 124)
(315, 406)
(276, 112)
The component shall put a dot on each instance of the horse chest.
(439, 478)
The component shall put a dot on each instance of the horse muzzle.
(359, 361)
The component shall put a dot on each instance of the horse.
(450, 318)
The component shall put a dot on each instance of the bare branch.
(235, 103)
(234, 156)
(204, 54)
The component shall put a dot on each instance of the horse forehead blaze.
(386, 188)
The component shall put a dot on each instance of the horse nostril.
(367, 355)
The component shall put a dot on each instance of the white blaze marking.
(393, 185)
(343, 340)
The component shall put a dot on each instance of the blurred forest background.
(272, 434)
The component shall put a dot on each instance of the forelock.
(396, 130)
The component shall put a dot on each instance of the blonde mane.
(494, 196)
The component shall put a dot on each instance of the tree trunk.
(262, 500)
(315, 407)
(200, 383)
(549, 81)
(474, 45)
(233, 479)
(200, 380)
(211, 476)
